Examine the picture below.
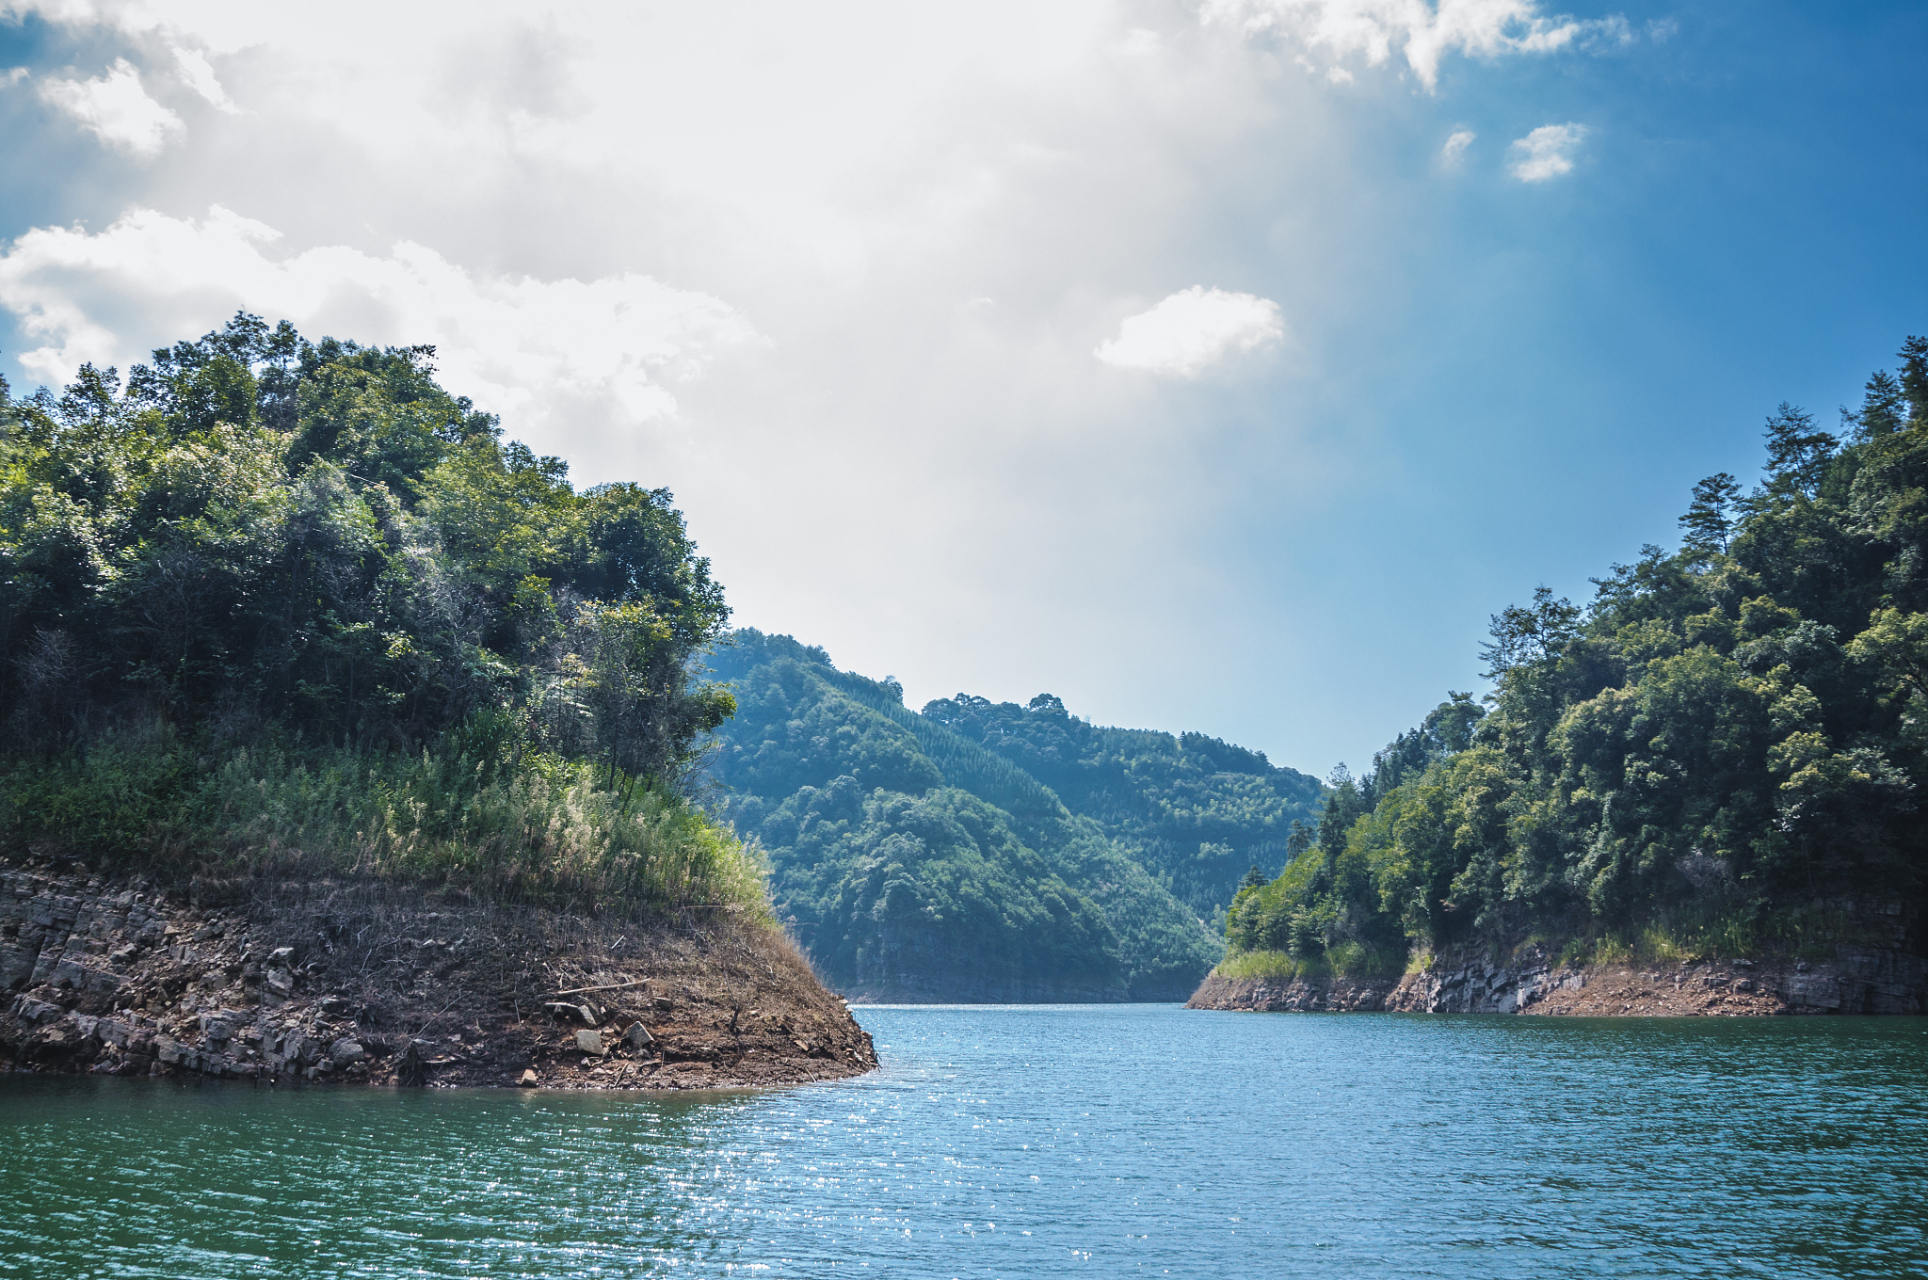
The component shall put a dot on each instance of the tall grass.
(534, 828)
(1346, 960)
(1282, 966)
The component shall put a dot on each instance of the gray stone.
(345, 1051)
(16, 966)
(590, 1042)
(570, 1009)
(637, 1039)
(36, 1011)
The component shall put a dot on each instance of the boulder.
(637, 1039)
(345, 1051)
(528, 1080)
(590, 1042)
(569, 1009)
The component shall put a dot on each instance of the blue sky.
(1172, 358)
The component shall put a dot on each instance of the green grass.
(1347, 960)
(536, 828)
(1747, 930)
(1282, 966)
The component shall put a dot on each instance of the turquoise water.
(1036, 1142)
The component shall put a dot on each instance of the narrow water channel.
(1036, 1142)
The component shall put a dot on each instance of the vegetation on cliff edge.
(1722, 751)
(272, 604)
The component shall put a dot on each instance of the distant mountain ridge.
(920, 857)
(1195, 811)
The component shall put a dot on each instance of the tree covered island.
(1719, 755)
(346, 739)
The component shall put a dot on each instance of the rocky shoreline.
(364, 984)
(1858, 980)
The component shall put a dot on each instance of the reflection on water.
(1035, 1141)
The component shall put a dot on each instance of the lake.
(1036, 1142)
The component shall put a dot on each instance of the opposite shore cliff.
(1854, 980)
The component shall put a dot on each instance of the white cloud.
(1455, 149)
(116, 107)
(847, 175)
(1423, 32)
(513, 343)
(1192, 330)
(198, 73)
(1545, 153)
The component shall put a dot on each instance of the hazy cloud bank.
(515, 343)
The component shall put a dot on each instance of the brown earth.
(1856, 980)
(367, 984)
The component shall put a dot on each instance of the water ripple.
(1036, 1142)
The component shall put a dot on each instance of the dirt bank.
(362, 984)
(1856, 980)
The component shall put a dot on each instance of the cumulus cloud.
(514, 343)
(1422, 32)
(844, 174)
(1192, 330)
(1545, 153)
(1455, 149)
(116, 108)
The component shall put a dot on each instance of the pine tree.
(1797, 454)
(1709, 521)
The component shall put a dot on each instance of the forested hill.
(1196, 812)
(1722, 752)
(278, 607)
(911, 862)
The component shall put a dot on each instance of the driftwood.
(614, 986)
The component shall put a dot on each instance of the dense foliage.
(1722, 751)
(1196, 812)
(263, 562)
(908, 859)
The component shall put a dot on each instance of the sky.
(1216, 366)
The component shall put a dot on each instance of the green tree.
(1709, 519)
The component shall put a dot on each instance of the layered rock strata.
(354, 983)
(1858, 980)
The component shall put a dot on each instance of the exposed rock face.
(332, 983)
(1478, 984)
(1297, 995)
(1857, 980)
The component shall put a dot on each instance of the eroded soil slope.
(361, 984)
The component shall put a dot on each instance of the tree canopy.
(258, 562)
(910, 860)
(1195, 811)
(1722, 750)
(255, 528)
